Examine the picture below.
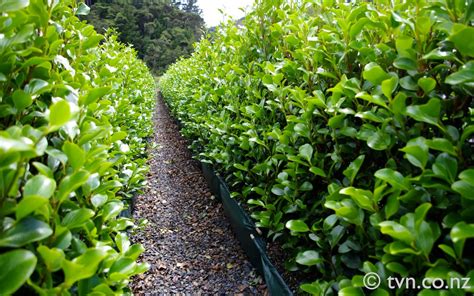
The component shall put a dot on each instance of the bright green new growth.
(348, 129)
(75, 111)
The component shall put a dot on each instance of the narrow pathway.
(188, 242)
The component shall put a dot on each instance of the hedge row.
(348, 129)
(75, 111)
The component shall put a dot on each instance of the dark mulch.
(188, 241)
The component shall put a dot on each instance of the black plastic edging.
(244, 228)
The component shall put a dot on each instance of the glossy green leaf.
(389, 86)
(17, 267)
(353, 168)
(374, 73)
(464, 40)
(379, 140)
(446, 167)
(76, 156)
(465, 186)
(29, 204)
(427, 84)
(95, 94)
(397, 231)
(71, 183)
(306, 151)
(394, 178)
(82, 267)
(40, 185)
(60, 113)
(429, 112)
(416, 151)
(24, 232)
(297, 226)
(53, 258)
(21, 99)
(363, 198)
(77, 218)
(82, 9)
(405, 63)
(13, 5)
(462, 231)
(308, 258)
(464, 75)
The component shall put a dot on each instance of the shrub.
(75, 111)
(347, 128)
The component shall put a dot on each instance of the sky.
(213, 17)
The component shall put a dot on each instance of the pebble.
(188, 242)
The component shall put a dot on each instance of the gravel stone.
(188, 241)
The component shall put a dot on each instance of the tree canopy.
(161, 31)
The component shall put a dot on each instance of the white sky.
(213, 17)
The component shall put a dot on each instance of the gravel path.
(188, 241)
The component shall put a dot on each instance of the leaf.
(374, 73)
(417, 152)
(403, 43)
(122, 242)
(309, 258)
(405, 63)
(24, 232)
(112, 209)
(389, 86)
(82, 9)
(40, 185)
(446, 167)
(429, 112)
(59, 113)
(465, 186)
(17, 267)
(71, 183)
(76, 156)
(348, 210)
(439, 54)
(84, 266)
(397, 231)
(21, 99)
(317, 171)
(306, 151)
(297, 226)
(442, 144)
(77, 218)
(464, 40)
(427, 84)
(462, 231)
(10, 6)
(95, 94)
(98, 200)
(464, 75)
(379, 140)
(53, 258)
(393, 178)
(36, 87)
(29, 204)
(351, 171)
(363, 198)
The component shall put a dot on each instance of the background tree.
(161, 31)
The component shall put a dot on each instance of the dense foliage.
(160, 30)
(75, 109)
(348, 129)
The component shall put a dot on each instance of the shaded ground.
(188, 241)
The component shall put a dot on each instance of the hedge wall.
(75, 109)
(348, 129)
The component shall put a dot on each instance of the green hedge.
(75, 111)
(348, 129)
